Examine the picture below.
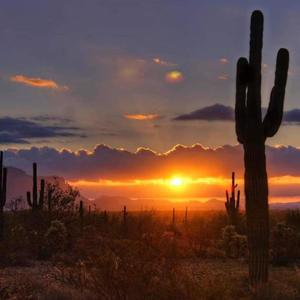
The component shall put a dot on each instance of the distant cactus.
(3, 184)
(81, 214)
(186, 216)
(125, 213)
(37, 202)
(232, 203)
(252, 131)
(174, 217)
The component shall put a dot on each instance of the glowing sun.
(176, 182)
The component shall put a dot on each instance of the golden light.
(174, 77)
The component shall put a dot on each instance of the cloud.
(142, 117)
(21, 131)
(216, 112)
(51, 118)
(38, 82)
(223, 77)
(109, 163)
(161, 62)
(223, 60)
(292, 116)
(174, 77)
(220, 112)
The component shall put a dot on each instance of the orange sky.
(179, 187)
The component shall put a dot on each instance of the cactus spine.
(252, 131)
(36, 203)
(3, 184)
(232, 203)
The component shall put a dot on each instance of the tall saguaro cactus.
(37, 202)
(252, 131)
(3, 182)
(232, 203)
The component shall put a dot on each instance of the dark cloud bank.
(219, 112)
(108, 163)
(21, 130)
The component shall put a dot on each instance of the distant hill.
(19, 182)
(115, 203)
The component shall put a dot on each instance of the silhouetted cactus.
(186, 216)
(252, 132)
(173, 218)
(81, 215)
(3, 184)
(232, 203)
(37, 202)
(125, 213)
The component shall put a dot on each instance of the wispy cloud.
(142, 117)
(38, 82)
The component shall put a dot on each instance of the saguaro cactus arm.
(28, 197)
(274, 114)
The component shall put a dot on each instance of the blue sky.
(95, 62)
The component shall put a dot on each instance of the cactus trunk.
(256, 190)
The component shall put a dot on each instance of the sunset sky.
(131, 74)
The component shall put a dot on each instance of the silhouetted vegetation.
(88, 255)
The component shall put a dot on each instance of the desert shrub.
(62, 199)
(285, 244)
(55, 238)
(234, 244)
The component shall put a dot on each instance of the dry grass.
(200, 279)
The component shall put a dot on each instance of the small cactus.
(186, 216)
(81, 211)
(232, 203)
(125, 213)
(36, 203)
(174, 218)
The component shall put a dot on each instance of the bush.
(285, 244)
(55, 238)
(234, 244)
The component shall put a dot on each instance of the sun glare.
(176, 182)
